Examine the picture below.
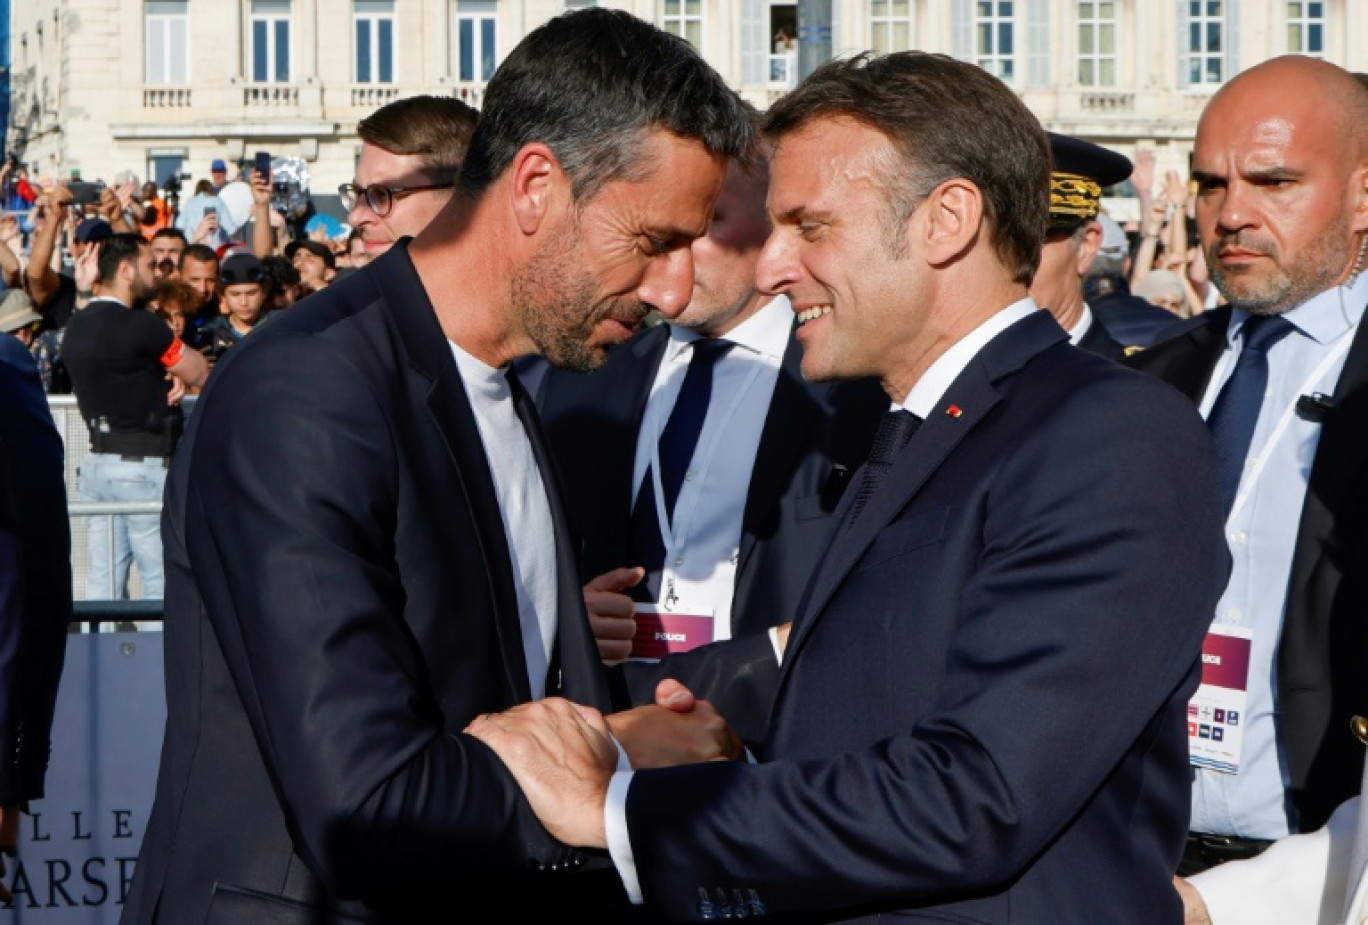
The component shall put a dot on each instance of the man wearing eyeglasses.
(411, 154)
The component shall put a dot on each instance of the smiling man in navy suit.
(981, 712)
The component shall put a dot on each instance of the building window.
(684, 18)
(994, 38)
(374, 29)
(271, 41)
(476, 40)
(1097, 43)
(167, 37)
(1306, 28)
(1206, 42)
(890, 25)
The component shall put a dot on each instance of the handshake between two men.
(563, 755)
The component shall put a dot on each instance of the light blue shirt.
(1262, 534)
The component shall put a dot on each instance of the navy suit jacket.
(1322, 671)
(815, 436)
(339, 606)
(35, 586)
(982, 708)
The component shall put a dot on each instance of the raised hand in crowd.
(206, 230)
(263, 233)
(111, 209)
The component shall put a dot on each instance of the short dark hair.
(200, 253)
(170, 232)
(116, 250)
(946, 119)
(436, 129)
(589, 84)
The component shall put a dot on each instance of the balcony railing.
(269, 96)
(166, 98)
(373, 96)
(472, 94)
(1103, 102)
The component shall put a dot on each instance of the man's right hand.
(60, 196)
(612, 614)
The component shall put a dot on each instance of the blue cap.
(217, 166)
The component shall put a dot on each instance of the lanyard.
(1284, 421)
(674, 536)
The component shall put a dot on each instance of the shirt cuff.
(774, 641)
(615, 830)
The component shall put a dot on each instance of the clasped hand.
(562, 756)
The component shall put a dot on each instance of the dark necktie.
(676, 448)
(1236, 410)
(895, 430)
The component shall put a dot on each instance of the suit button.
(1359, 726)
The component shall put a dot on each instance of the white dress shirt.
(1084, 325)
(921, 401)
(1262, 533)
(522, 505)
(705, 539)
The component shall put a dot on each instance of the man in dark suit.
(771, 456)
(35, 583)
(1281, 161)
(365, 545)
(1072, 238)
(981, 708)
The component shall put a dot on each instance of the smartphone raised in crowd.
(262, 165)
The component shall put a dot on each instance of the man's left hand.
(562, 758)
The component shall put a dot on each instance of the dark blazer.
(37, 588)
(815, 436)
(982, 708)
(1098, 341)
(1323, 652)
(339, 605)
(1128, 318)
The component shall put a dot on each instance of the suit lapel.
(1187, 362)
(968, 401)
(449, 407)
(792, 409)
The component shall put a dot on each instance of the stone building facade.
(163, 86)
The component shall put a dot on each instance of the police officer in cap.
(1073, 238)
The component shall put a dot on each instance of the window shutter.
(1038, 43)
(962, 30)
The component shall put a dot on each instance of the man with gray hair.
(365, 546)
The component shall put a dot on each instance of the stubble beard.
(554, 297)
(1279, 291)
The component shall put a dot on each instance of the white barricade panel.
(77, 850)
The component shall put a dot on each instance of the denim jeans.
(135, 537)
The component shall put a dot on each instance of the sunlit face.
(144, 282)
(202, 275)
(1276, 180)
(859, 299)
(409, 213)
(312, 268)
(243, 302)
(167, 248)
(724, 258)
(622, 253)
(356, 250)
(1064, 260)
